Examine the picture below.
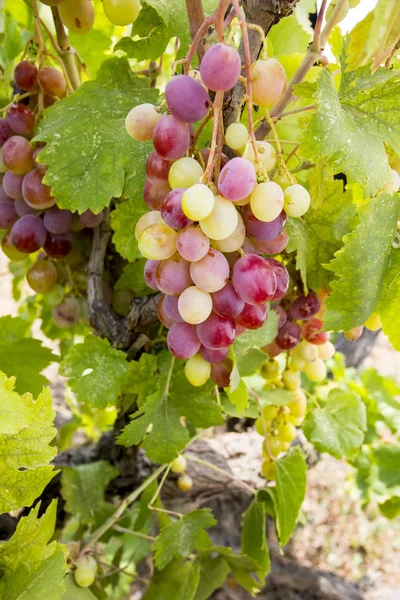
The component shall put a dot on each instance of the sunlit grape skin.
(171, 210)
(184, 173)
(269, 81)
(77, 15)
(10, 250)
(236, 136)
(254, 279)
(210, 273)
(234, 241)
(252, 316)
(266, 201)
(216, 332)
(226, 302)
(28, 234)
(220, 67)
(194, 305)
(182, 340)
(42, 276)
(197, 370)
(266, 154)
(158, 242)
(237, 179)
(52, 82)
(222, 221)
(17, 155)
(198, 202)
(121, 12)
(173, 275)
(260, 230)
(141, 121)
(171, 138)
(21, 119)
(187, 99)
(192, 244)
(311, 331)
(297, 200)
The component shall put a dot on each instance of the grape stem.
(278, 145)
(295, 111)
(257, 397)
(66, 52)
(143, 536)
(217, 110)
(196, 17)
(196, 40)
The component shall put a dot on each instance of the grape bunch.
(211, 233)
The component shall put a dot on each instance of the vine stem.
(65, 51)
(217, 110)
(295, 111)
(257, 397)
(143, 536)
(196, 40)
(278, 144)
(219, 470)
(196, 17)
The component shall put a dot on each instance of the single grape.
(282, 314)
(254, 279)
(22, 208)
(253, 316)
(261, 426)
(154, 194)
(298, 407)
(121, 12)
(184, 173)
(150, 218)
(77, 15)
(182, 340)
(288, 336)
(187, 99)
(42, 276)
(179, 464)
(17, 155)
(287, 432)
(304, 307)
(55, 296)
(8, 214)
(297, 200)
(316, 370)
(266, 154)
(141, 121)
(57, 221)
(222, 221)
(373, 323)
(157, 168)
(52, 82)
(36, 194)
(261, 230)
(173, 275)
(12, 185)
(197, 370)
(5, 132)
(291, 380)
(150, 269)
(226, 302)
(170, 306)
(236, 136)
(275, 246)
(234, 241)
(158, 242)
(162, 314)
(216, 332)
(306, 351)
(214, 356)
(220, 373)
(268, 81)
(58, 246)
(171, 210)
(266, 201)
(25, 76)
(354, 334)
(268, 470)
(270, 369)
(275, 446)
(184, 482)
(282, 277)
(90, 219)
(311, 331)
(194, 305)
(269, 412)
(84, 576)
(220, 67)
(28, 234)
(192, 244)
(198, 202)
(21, 119)
(171, 138)
(237, 179)
(68, 313)
(10, 250)
(326, 351)
(210, 273)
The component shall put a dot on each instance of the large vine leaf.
(95, 371)
(213, 572)
(254, 537)
(91, 157)
(388, 307)
(360, 266)
(178, 580)
(123, 222)
(351, 125)
(338, 426)
(26, 430)
(175, 398)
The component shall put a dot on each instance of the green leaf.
(338, 426)
(95, 371)
(384, 391)
(347, 131)
(178, 580)
(243, 568)
(178, 540)
(23, 357)
(132, 278)
(277, 396)
(142, 377)
(26, 430)
(91, 157)
(388, 307)
(74, 591)
(240, 397)
(361, 264)
(123, 222)
(254, 539)
(83, 489)
(391, 508)
(175, 398)
(385, 473)
(213, 572)
(288, 37)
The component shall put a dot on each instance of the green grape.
(198, 202)
(373, 323)
(295, 420)
(270, 369)
(262, 426)
(287, 432)
(158, 242)
(234, 241)
(326, 351)
(150, 218)
(299, 406)
(77, 15)
(275, 445)
(179, 464)
(194, 305)
(269, 81)
(297, 200)
(291, 379)
(184, 173)
(42, 276)
(269, 412)
(266, 201)
(121, 12)
(197, 370)
(266, 155)
(121, 302)
(222, 221)
(55, 296)
(296, 363)
(307, 351)
(141, 121)
(268, 470)
(236, 136)
(85, 572)
(316, 370)
(184, 482)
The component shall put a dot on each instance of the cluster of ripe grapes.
(209, 240)
(78, 15)
(28, 213)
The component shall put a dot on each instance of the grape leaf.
(288, 37)
(351, 125)
(384, 391)
(239, 397)
(141, 378)
(385, 474)
(22, 356)
(175, 398)
(132, 278)
(361, 264)
(390, 508)
(243, 568)
(277, 396)
(388, 307)
(83, 489)
(95, 371)
(123, 222)
(179, 539)
(254, 538)
(337, 427)
(178, 580)
(26, 430)
(74, 591)
(91, 157)
(213, 572)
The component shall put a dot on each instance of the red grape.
(150, 269)
(155, 194)
(57, 221)
(173, 275)
(162, 314)
(275, 246)
(39, 166)
(171, 308)
(26, 76)
(22, 208)
(187, 99)
(182, 340)
(18, 155)
(58, 246)
(214, 356)
(254, 279)
(5, 132)
(311, 331)
(21, 119)
(42, 276)
(12, 185)
(304, 307)
(282, 315)
(10, 250)
(28, 234)
(252, 316)
(216, 332)
(68, 313)
(226, 302)
(52, 82)
(171, 138)
(220, 373)
(288, 336)
(220, 67)
(282, 278)
(237, 179)
(260, 230)
(90, 219)
(192, 244)
(210, 273)
(8, 215)
(36, 193)
(171, 210)
(157, 168)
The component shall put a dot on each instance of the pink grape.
(214, 356)
(3, 196)
(226, 302)
(288, 336)
(58, 246)
(304, 307)
(171, 138)
(282, 278)
(252, 316)
(150, 269)
(8, 215)
(254, 279)
(28, 234)
(216, 332)
(192, 244)
(90, 219)
(173, 275)
(311, 331)
(68, 313)
(210, 273)
(171, 210)
(187, 99)
(182, 340)
(162, 314)
(237, 179)
(155, 194)
(260, 230)
(171, 308)
(21, 119)
(282, 315)
(17, 155)
(220, 373)
(220, 67)
(36, 194)
(141, 121)
(5, 132)
(275, 246)
(157, 168)
(22, 208)
(57, 221)
(12, 185)
(25, 76)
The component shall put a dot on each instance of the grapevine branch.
(196, 17)
(66, 52)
